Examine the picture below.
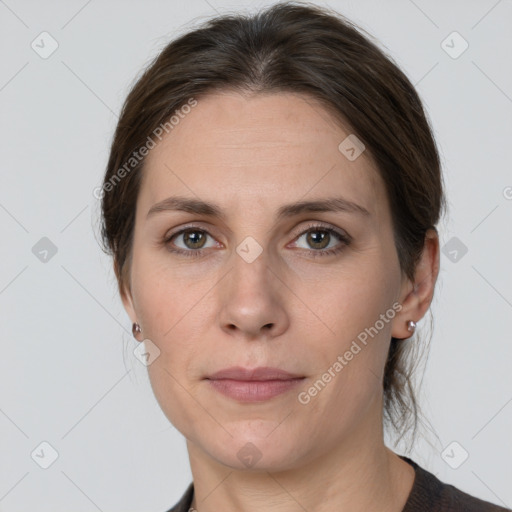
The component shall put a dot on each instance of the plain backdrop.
(68, 376)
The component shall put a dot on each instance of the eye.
(193, 240)
(321, 240)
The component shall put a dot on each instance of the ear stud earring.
(136, 330)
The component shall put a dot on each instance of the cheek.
(356, 305)
(173, 393)
(348, 300)
(173, 374)
(172, 302)
(162, 293)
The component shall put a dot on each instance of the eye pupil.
(195, 237)
(313, 238)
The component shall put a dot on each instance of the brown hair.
(295, 47)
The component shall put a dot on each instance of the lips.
(262, 373)
(253, 385)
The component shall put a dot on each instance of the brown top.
(428, 494)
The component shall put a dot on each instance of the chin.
(250, 451)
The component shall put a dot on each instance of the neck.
(359, 474)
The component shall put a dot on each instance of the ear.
(127, 299)
(416, 297)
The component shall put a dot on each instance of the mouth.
(253, 385)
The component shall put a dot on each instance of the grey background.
(68, 375)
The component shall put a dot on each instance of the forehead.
(275, 147)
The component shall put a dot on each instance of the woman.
(271, 202)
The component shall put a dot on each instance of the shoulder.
(430, 493)
(185, 502)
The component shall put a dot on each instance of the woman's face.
(252, 288)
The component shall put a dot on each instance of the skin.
(251, 154)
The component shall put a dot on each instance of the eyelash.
(195, 253)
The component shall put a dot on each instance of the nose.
(253, 299)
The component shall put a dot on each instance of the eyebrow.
(199, 207)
